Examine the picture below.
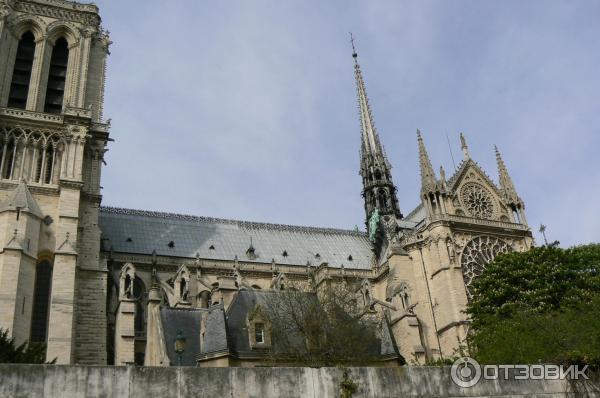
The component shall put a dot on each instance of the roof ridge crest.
(241, 223)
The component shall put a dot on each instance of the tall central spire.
(379, 191)
(370, 139)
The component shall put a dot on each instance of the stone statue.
(238, 278)
(128, 291)
(373, 225)
(184, 289)
(451, 250)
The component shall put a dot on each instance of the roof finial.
(354, 54)
(464, 147)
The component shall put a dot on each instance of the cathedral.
(103, 285)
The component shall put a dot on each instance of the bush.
(24, 353)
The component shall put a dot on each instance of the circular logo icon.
(465, 372)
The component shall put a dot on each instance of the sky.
(247, 109)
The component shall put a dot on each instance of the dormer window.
(259, 333)
(259, 328)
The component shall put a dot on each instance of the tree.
(24, 353)
(540, 305)
(324, 327)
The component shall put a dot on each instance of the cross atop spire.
(354, 54)
(428, 182)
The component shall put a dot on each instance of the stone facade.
(91, 280)
(58, 155)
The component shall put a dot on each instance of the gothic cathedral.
(103, 285)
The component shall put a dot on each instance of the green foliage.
(541, 305)
(24, 353)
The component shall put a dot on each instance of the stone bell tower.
(52, 141)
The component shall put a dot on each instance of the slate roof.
(188, 321)
(141, 232)
(227, 332)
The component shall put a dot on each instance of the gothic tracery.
(477, 200)
(476, 254)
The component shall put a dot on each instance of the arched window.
(382, 200)
(55, 90)
(138, 295)
(204, 299)
(8, 158)
(41, 301)
(377, 175)
(44, 171)
(19, 87)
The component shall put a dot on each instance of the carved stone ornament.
(477, 200)
(478, 253)
(4, 9)
(389, 226)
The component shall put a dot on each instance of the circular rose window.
(477, 200)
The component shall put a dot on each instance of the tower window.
(55, 90)
(41, 301)
(21, 78)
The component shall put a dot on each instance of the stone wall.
(33, 381)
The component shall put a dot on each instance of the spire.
(427, 173)
(506, 184)
(464, 147)
(370, 139)
(379, 191)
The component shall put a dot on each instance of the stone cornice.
(50, 190)
(466, 223)
(225, 267)
(74, 184)
(22, 114)
(61, 9)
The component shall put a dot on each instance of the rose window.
(477, 200)
(478, 253)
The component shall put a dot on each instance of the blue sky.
(247, 109)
